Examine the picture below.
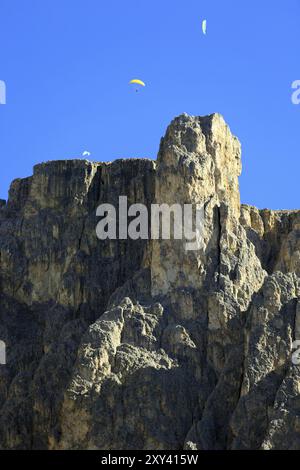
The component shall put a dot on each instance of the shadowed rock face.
(139, 344)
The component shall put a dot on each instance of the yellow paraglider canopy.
(137, 82)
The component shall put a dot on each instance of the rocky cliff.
(140, 344)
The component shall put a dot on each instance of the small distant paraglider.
(86, 153)
(204, 26)
(138, 83)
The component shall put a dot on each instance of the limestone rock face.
(198, 163)
(143, 344)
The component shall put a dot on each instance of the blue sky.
(67, 64)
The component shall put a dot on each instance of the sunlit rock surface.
(140, 344)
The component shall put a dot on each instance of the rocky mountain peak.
(142, 344)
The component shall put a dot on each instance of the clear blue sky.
(67, 63)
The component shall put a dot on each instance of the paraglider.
(204, 26)
(136, 81)
(86, 153)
